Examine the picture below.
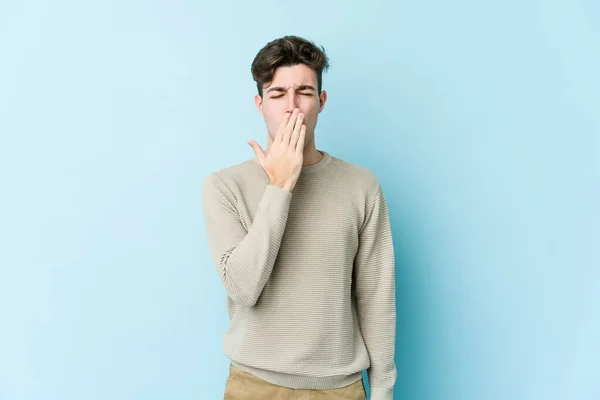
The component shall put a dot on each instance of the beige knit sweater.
(309, 274)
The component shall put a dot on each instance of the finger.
(294, 139)
(301, 139)
(296, 132)
(287, 132)
(293, 115)
(281, 128)
(260, 154)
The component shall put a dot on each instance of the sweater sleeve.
(375, 297)
(244, 258)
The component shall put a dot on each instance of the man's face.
(292, 87)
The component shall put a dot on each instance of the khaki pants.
(244, 386)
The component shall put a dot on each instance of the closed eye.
(303, 94)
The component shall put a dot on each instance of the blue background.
(481, 119)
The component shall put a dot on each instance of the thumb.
(260, 154)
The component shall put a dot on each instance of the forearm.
(245, 260)
(378, 328)
(245, 269)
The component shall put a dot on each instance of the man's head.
(288, 74)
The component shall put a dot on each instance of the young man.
(302, 243)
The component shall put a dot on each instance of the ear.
(258, 103)
(322, 99)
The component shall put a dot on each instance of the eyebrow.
(282, 89)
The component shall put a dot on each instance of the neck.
(311, 155)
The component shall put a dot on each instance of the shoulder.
(357, 176)
(228, 186)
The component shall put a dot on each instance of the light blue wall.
(482, 120)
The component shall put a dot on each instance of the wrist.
(284, 185)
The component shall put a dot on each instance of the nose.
(292, 103)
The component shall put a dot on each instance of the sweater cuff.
(378, 393)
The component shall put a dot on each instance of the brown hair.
(286, 52)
